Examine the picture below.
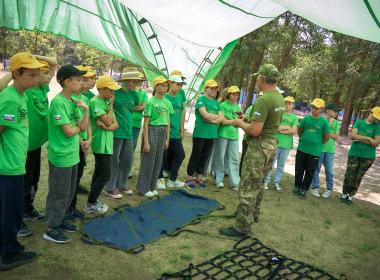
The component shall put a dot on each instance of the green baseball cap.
(333, 106)
(267, 70)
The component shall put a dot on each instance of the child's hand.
(81, 104)
(100, 124)
(146, 148)
(238, 122)
(166, 144)
(112, 100)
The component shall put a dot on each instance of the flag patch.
(8, 117)
(257, 114)
(57, 117)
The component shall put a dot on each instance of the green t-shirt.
(175, 118)
(182, 94)
(137, 116)
(203, 129)
(125, 102)
(329, 146)
(89, 94)
(359, 149)
(38, 109)
(285, 141)
(14, 139)
(268, 110)
(159, 111)
(311, 140)
(102, 140)
(63, 151)
(83, 134)
(229, 110)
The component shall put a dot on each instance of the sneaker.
(166, 174)
(149, 194)
(277, 187)
(296, 191)
(96, 208)
(74, 214)
(19, 259)
(155, 192)
(82, 189)
(343, 197)
(302, 193)
(55, 235)
(126, 191)
(326, 194)
(113, 194)
(161, 184)
(202, 185)
(266, 186)
(24, 231)
(219, 185)
(349, 200)
(69, 227)
(231, 232)
(34, 215)
(190, 185)
(314, 192)
(175, 184)
(236, 189)
(204, 178)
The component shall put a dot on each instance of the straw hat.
(130, 73)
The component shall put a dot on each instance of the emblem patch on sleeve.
(8, 117)
(57, 117)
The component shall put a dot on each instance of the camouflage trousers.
(257, 163)
(356, 169)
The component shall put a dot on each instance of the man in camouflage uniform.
(264, 121)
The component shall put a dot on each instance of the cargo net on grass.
(250, 259)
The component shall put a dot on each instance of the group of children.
(109, 124)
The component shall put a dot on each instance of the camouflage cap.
(267, 70)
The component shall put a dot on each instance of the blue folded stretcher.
(130, 228)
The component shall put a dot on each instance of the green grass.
(324, 233)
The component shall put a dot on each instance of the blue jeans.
(230, 148)
(280, 158)
(327, 159)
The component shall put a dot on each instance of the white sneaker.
(96, 208)
(277, 187)
(236, 189)
(219, 185)
(155, 192)
(314, 192)
(175, 184)
(161, 184)
(149, 194)
(166, 174)
(266, 186)
(326, 194)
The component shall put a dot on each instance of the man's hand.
(238, 122)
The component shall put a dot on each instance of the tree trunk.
(348, 110)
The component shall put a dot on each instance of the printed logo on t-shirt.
(57, 117)
(8, 117)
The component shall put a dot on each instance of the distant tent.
(196, 37)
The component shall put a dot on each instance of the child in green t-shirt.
(327, 154)
(14, 133)
(63, 152)
(156, 136)
(103, 123)
(313, 132)
(285, 132)
(89, 80)
(366, 137)
(207, 118)
(226, 155)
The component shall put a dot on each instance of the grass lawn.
(324, 233)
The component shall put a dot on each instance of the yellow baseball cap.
(376, 112)
(159, 80)
(24, 60)
(177, 73)
(107, 82)
(90, 72)
(318, 102)
(232, 89)
(45, 63)
(289, 99)
(211, 83)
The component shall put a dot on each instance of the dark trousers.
(243, 152)
(81, 165)
(102, 174)
(201, 151)
(11, 213)
(31, 179)
(356, 169)
(306, 164)
(173, 158)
